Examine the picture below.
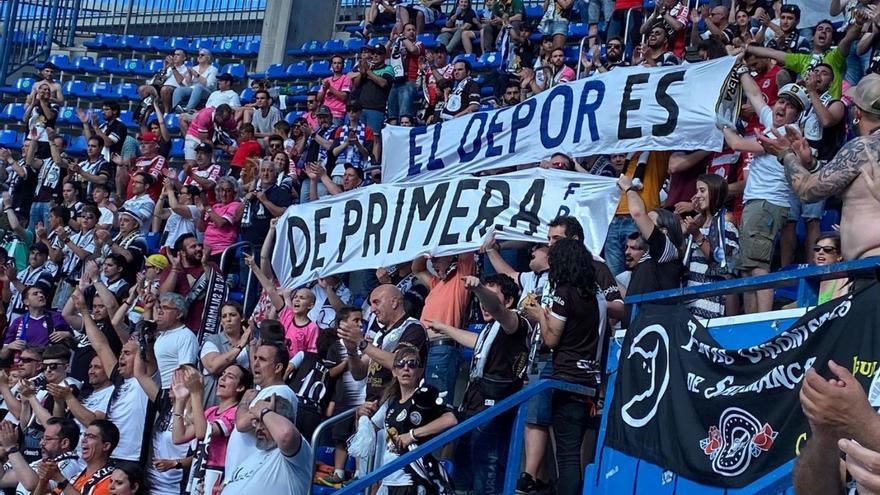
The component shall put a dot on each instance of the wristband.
(264, 412)
(61, 485)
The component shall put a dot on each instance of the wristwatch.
(12, 450)
(61, 485)
(263, 412)
(362, 345)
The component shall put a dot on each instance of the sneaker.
(526, 484)
(179, 109)
(331, 480)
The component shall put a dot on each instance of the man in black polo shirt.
(496, 372)
(373, 81)
(112, 131)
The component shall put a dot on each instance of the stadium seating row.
(126, 67)
(152, 44)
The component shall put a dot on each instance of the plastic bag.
(363, 443)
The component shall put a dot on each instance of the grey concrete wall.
(290, 23)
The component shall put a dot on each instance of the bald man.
(372, 356)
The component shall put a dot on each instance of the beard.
(266, 443)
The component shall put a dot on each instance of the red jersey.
(154, 167)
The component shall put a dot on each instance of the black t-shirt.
(406, 415)
(118, 130)
(753, 8)
(84, 352)
(659, 268)
(575, 358)
(468, 16)
(413, 334)
(372, 96)
(503, 370)
(260, 216)
(606, 281)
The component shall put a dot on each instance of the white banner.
(386, 224)
(627, 109)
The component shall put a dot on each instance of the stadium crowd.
(110, 385)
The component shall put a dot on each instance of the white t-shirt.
(178, 225)
(143, 206)
(98, 401)
(228, 97)
(170, 80)
(241, 446)
(128, 412)
(242, 359)
(766, 174)
(270, 471)
(538, 283)
(106, 216)
(174, 348)
(168, 482)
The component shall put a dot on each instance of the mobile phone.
(312, 153)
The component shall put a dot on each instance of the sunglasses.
(824, 249)
(614, 45)
(25, 360)
(54, 366)
(412, 364)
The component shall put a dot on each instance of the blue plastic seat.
(534, 12)
(276, 71)
(151, 68)
(12, 112)
(77, 146)
(313, 48)
(127, 118)
(486, 91)
(248, 49)
(649, 4)
(102, 91)
(177, 148)
(106, 65)
(75, 88)
(127, 91)
(378, 40)
(134, 43)
(62, 62)
(127, 67)
(247, 96)
(238, 71)
(67, 115)
(571, 54)
(21, 87)
(427, 39)
(299, 70)
(320, 69)
(292, 116)
(205, 43)
(468, 57)
(578, 30)
(332, 47)
(114, 42)
(489, 60)
(354, 45)
(82, 65)
(225, 46)
(172, 123)
(98, 43)
(180, 42)
(11, 140)
(152, 239)
(157, 43)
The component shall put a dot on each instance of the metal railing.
(250, 274)
(514, 455)
(322, 428)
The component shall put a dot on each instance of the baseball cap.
(204, 148)
(147, 137)
(796, 94)
(791, 8)
(226, 77)
(41, 248)
(866, 95)
(323, 110)
(129, 213)
(359, 170)
(378, 48)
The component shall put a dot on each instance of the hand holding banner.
(386, 224)
(627, 109)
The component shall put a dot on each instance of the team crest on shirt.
(401, 416)
(415, 418)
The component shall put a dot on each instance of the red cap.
(148, 136)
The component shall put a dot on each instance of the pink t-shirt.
(298, 338)
(202, 122)
(217, 447)
(220, 238)
(336, 105)
(311, 120)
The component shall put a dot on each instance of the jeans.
(480, 457)
(855, 66)
(599, 9)
(617, 26)
(400, 99)
(375, 119)
(570, 420)
(441, 370)
(305, 197)
(615, 244)
(39, 213)
(194, 96)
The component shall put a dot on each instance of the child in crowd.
(312, 375)
(248, 147)
(300, 332)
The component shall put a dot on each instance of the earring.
(856, 121)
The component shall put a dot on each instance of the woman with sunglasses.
(219, 222)
(827, 252)
(406, 421)
(713, 243)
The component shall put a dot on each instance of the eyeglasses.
(614, 45)
(824, 249)
(47, 438)
(225, 189)
(91, 436)
(203, 54)
(310, 101)
(412, 364)
(89, 217)
(54, 366)
(167, 308)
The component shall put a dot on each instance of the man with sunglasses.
(496, 372)
(205, 172)
(311, 114)
(318, 145)
(59, 443)
(655, 51)
(150, 162)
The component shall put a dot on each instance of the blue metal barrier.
(512, 469)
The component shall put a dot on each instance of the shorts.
(540, 409)
(429, 13)
(808, 211)
(761, 221)
(386, 17)
(189, 147)
(341, 431)
(550, 27)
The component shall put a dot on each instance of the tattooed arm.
(835, 176)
